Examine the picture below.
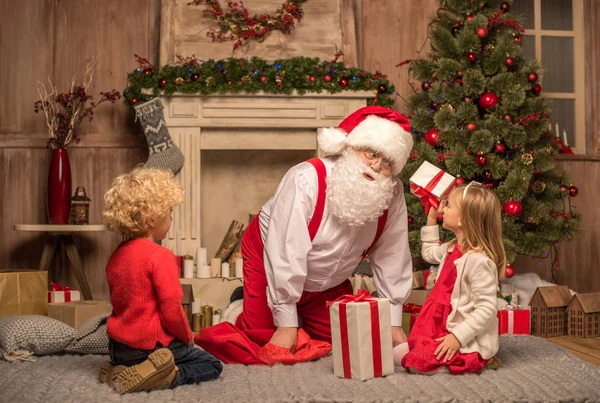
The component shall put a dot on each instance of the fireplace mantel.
(242, 122)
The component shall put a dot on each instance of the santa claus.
(326, 216)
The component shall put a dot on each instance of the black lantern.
(80, 207)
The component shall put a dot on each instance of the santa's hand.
(398, 336)
(285, 337)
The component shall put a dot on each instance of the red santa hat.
(374, 127)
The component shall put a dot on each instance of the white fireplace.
(237, 147)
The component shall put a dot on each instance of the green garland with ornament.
(284, 76)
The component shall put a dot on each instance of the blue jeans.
(194, 365)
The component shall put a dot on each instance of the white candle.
(225, 269)
(188, 268)
(204, 271)
(239, 267)
(196, 306)
(201, 257)
(557, 131)
(216, 317)
(565, 138)
(215, 267)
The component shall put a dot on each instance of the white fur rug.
(532, 370)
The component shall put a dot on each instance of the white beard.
(354, 199)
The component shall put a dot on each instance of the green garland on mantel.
(300, 74)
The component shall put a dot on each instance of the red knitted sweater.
(145, 294)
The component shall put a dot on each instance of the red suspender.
(315, 221)
(380, 226)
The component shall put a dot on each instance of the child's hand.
(434, 213)
(449, 346)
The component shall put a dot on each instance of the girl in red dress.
(457, 327)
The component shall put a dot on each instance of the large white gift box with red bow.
(431, 184)
(361, 337)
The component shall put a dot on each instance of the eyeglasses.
(467, 187)
(373, 156)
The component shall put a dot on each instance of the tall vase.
(59, 187)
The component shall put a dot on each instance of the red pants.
(312, 309)
(255, 327)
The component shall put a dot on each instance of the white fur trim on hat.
(385, 136)
(331, 140)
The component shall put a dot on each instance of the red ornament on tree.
(410, 220)
(487, 175)
(509, 272)
(488, 100)
(532, 77)
(432, 136)
(455, 30)
(536, 89)
(327, 78)
(512, 208)
(312, 79)
(518, 39)
(459, 181)
(505, 7)
(426, 85)
(510, 62)
(468, 100)
(500, 148)
(482, 32)
(162, 82)
(195, 77)
(343, 83)
(481, 160)
(573, 191)
(263, 79)
(134, 101)
(471, 57)
(471, 127)
(508, 117)
(382, 88)
(469, 17)
(564, 189)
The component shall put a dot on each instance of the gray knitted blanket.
(532, 370)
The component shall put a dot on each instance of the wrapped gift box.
(78, 312)
(514, 321)
(23, 293)
(361, 336)
(430, 184)
(410, 313)
(63, 294)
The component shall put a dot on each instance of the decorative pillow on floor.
(24, 335)
(92, 337)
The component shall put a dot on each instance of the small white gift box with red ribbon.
(361, 336)
(63, 294)
(431, 184)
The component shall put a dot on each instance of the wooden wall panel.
(392, 31)
(592, 76)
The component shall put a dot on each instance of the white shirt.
(294, 264)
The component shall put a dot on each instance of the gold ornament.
(179, 81)
(210, 80)
(279, 77)
(538, 187)
(449, 107)
(246, 79)
(527, 158)
(488, 49)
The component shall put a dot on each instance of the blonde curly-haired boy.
(148, 330)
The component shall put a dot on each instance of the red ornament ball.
(134, 101)
(327, 78)
(512, 208)
(500, 148)
(573, 191)
(343, 83)
(263, 79)
(509, 272)
(536, 89)
(441, 11)
(510, 62)
(312, 79)
(471, 57)
(162, 83)
(471, 127)
(488, 100)
(508, 117)
(426, 85)
(564, 189)
(518, 39)
(505, 7)
(432, 136)
(481, 160)
(532, 77)
(455, 30)
(459, 181)
(482, 32)
(487, 175)
(469, 17)
(468, 100)
(148, 71)
(410, 220)
(382, 88)
(195, 77)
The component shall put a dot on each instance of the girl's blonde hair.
(481, 219)
(143, 196)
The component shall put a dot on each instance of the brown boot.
(492, 363)
(108, 372)
(148, 375)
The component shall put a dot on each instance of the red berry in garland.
(471, 57)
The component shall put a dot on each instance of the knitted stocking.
(163, 153)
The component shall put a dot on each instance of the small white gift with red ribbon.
(431, 184)
(63, 294)
(361, 336)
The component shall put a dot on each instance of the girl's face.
(159, 230)
(452, 212)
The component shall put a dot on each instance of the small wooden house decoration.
(584, 315)
(548, 311)
(187, 300)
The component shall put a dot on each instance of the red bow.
(360, 296)
(428, 200)
(411, 308)
(58, 287)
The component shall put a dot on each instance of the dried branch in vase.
(65, 111)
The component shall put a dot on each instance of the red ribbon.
(411, 308)
(428, 200)
(360, 296)
(58, 287)
(425, 275)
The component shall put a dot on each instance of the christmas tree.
(478, 114)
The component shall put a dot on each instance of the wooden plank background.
(43, 39)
